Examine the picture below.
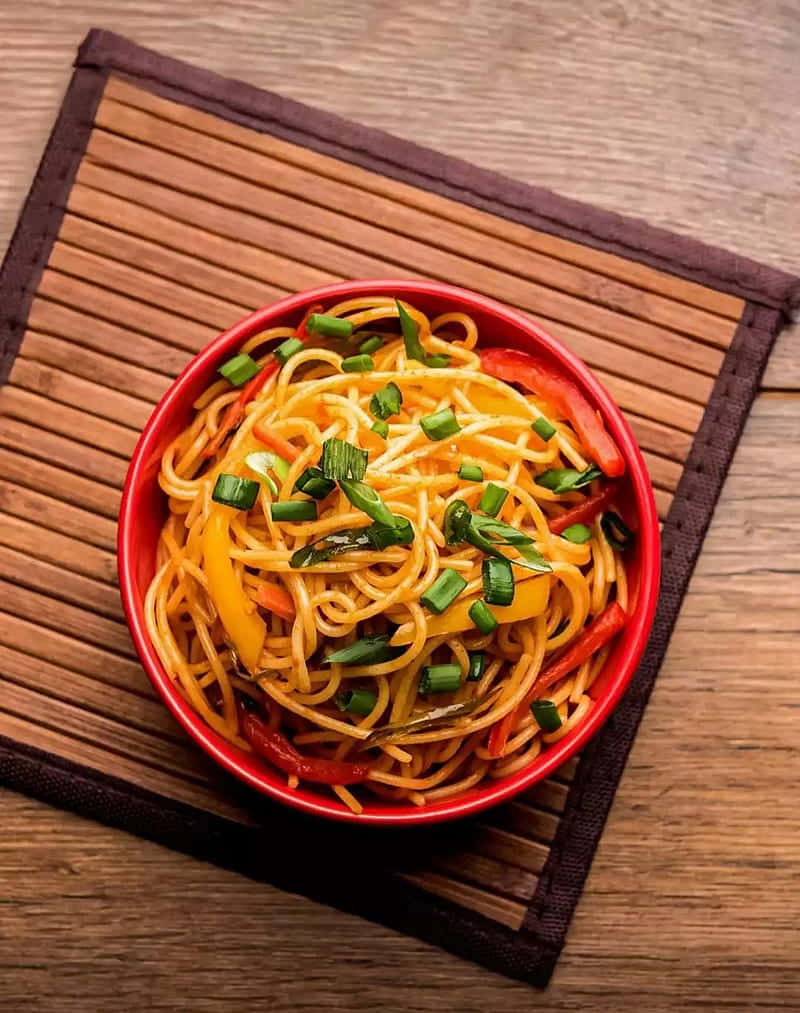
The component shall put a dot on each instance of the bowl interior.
(144, 509)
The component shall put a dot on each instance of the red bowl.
(144, 506)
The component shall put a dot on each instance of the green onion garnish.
(410, 329)
(498, 581)
(363, 497)
(486, 533)
(342, 460)
(493, 499)
(618, 535)
(329, 327)
(477, 666)
(440, 425)
(566, 479)
(457, 516)
(381, 428)
(239, 369)
(437, 361)
(281, 468)
(232, 491)
(577, 533)
(546, 715)
(399, 532)
(357, 364)
(440, 679)
(470, 473)
(480, 614)
(367, 651)
(294, 510)
(444, 591)
(386, 402)
(313, 483)
(370, 345)
(330, 545)
(287, 349)
(544, 428)
(357, 701)
(261, 462)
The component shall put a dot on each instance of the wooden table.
(690, 116)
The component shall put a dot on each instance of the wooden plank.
(38, 542)
(182, 173)
(150, 288)
(75, 489)
(508, 912)
(57, 516)
(28, 406)
(549, 794)
(507, 847)
(103, 336)
(94, 366)
(62, 583)
(47, 446)
(528, 822)
(404, 220)
(147, 715)
(84, 625)
(133, 314)
(663, 439)
(484, 872)
(574, 253)
(67, 652)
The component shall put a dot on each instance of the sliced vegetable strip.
(275, 599)
(543, 379)
(605, 626)
(584, 512)
(275, 442)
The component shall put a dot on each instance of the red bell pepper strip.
(543, 379)
(277, 750)
(604, 626)
(235, 410)
(584, 512)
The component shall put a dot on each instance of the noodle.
(208, 607)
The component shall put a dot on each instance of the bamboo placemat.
(171, 202)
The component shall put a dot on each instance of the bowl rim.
(227, 756)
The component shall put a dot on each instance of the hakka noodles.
(385, 568)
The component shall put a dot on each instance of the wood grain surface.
(689, 117)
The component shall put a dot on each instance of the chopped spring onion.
(399, 532)
(261, 462)
(437, 361)
(560, 480)
(381, 428)
(430, 719)
(443, 591)
(577, 533)
(498, 581)
(239, 369)
(493, 499)
(232, 491)
(330, 545)
(546, 715)
(481, 615)
(440, 679)
(386, 402)
(363, 497)
(287, 349)
(281, 468)
(618, 535)
(457, 516)
(357, 364)
(486, 533)
(329, 327)
(313, 483)
(372, 344)
(342, 460)
(294, 510)
(410, 329)
(367, 651)
(357, 701)
(477, 666)
(470, 473)
(544, 428)
(440, 425)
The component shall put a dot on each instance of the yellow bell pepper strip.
(243, 625)
(530, 600)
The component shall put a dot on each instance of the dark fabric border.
(431, 170)
(531, 953)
